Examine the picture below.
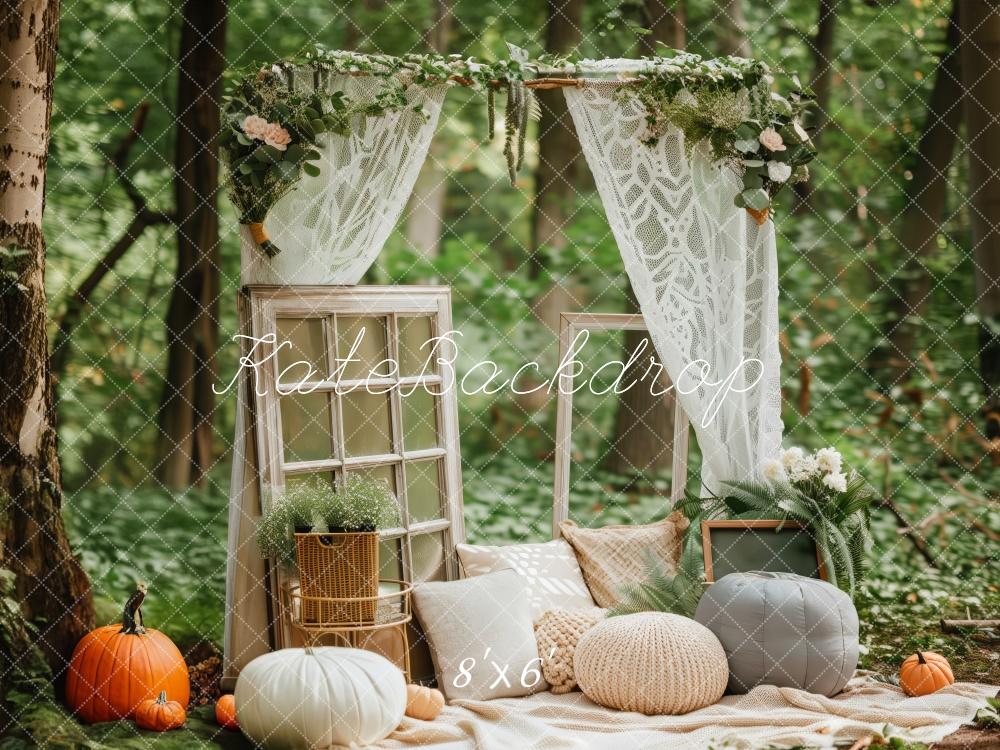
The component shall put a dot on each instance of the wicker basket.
(338, 566)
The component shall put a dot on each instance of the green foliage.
(838, 521)
(989, 715)
(362, 504)
(10, 275)
(662, 592)
(728, 103)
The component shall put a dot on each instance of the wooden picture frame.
(570, 325)
(750, 526)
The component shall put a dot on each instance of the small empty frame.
(774, 546)
(571, 327)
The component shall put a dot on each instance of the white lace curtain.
(704, 273)
(332, 227)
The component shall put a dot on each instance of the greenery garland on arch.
(731, 104)
(271, 130)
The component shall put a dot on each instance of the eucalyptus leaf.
(757, 199)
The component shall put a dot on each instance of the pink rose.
(254, 127)
(276, 136)
(771, 140)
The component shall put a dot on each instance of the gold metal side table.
(392, 612)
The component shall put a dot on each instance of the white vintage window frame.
(570, 326)
(268, 303)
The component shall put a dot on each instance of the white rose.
(836, 481)
(829, 460)
(771, 140)
(773, 470)
(778, 171)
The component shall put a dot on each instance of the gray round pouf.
(782, 629)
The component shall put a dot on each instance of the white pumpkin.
(319, 698)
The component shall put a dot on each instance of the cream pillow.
(550, 569)
(480, 636)
(615, 556)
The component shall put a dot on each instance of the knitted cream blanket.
(767, 715)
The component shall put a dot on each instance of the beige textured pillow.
(615, 556)
(557, 633)
(550, 570)
(480, 635)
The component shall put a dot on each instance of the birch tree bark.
(981, 77)
(187, 403)
(50, 585)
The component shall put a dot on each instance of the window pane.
(386, 473)
(371, 348)
(329, 476)
(419, 420)
(366, 423)
(423, 497)
(415, 345)
(305, 335)
(427, 551)
(390, 559)
(305, 426)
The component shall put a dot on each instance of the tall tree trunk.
(193, 315)
(643, 438)
(51, 588)
(821, 82)
(981, 76)
(423, 228)
(731, 28)
(665, 20)
(558, 160)
(926, 201)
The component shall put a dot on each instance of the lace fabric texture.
(704, 273)
(331, 228)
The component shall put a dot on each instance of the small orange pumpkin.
(924, 673)
(423, 703)
(115, 667)
(225, 712)
(160, 715)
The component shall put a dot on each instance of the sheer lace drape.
(331, 228)
(705, 276)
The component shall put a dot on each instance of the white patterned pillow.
(550, 569)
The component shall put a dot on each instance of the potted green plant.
(364, 504)
(300, 508)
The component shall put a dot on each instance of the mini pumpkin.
(925, 672)
(225, 712)
(115, 667)
(160, 715)
(423, 703)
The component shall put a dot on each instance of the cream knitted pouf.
(652, 662)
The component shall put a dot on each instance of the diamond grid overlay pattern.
(160, 96)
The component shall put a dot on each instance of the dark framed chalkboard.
(732, 546)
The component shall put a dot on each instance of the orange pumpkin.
(160, 715)
(423, 702)
(225, 712)
(925, 672)
(114, 668)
